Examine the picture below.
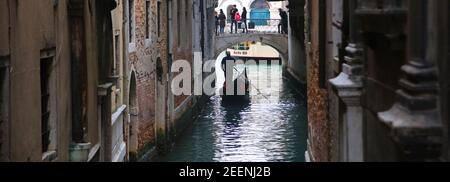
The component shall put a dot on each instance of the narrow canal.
(272, 127)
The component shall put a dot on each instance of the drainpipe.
(170, 96)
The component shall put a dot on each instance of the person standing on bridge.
(233, 12)
(237, 18)
(217, 27)
(284, 22)
(244, 20)
(222, 21)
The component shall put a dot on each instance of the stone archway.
(231, 2)
(277, 41)
(228, 10)
(226, 6)
(133, 129)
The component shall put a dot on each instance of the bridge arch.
(277, 41)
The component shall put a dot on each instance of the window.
(48, 121)
(131, 23)
(1, 112)
(147, 19)
(3, 106)
(117, 66)
(159, 18)
(45, 100)
(187, 20)
(309, 20)
(179, 23)
(245, 46)
(116, 70)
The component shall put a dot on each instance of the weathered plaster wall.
(118, 97)
(317, 97)
(93, 119)
(4, 28)
(37, 31)
(296, 64)
(182, 45)
(34, 29)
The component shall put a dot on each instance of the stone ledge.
(418, 133)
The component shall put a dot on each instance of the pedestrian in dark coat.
(284, 22)
(244, 20)
(233, 12)
(222, 21)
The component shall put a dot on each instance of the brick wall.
(143, 62)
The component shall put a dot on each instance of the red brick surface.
(143, 62)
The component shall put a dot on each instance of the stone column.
(104, 93)
(79, 149)
(413, 120)
(348, 86)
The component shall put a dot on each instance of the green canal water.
(271, 127)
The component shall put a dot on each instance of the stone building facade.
(318, 122)
(145, 46)
(90, 80)
(119, 94)
(155, 34)
(377, 80)
(54, 74)
(296, 65)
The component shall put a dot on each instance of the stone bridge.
(278, 41)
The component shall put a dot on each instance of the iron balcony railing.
(266, 26)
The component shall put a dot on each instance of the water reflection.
(271, 127)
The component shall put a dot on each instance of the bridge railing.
(254, 26)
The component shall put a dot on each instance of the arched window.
(131, 21)
(259, 12)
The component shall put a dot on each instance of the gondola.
(235, 98)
